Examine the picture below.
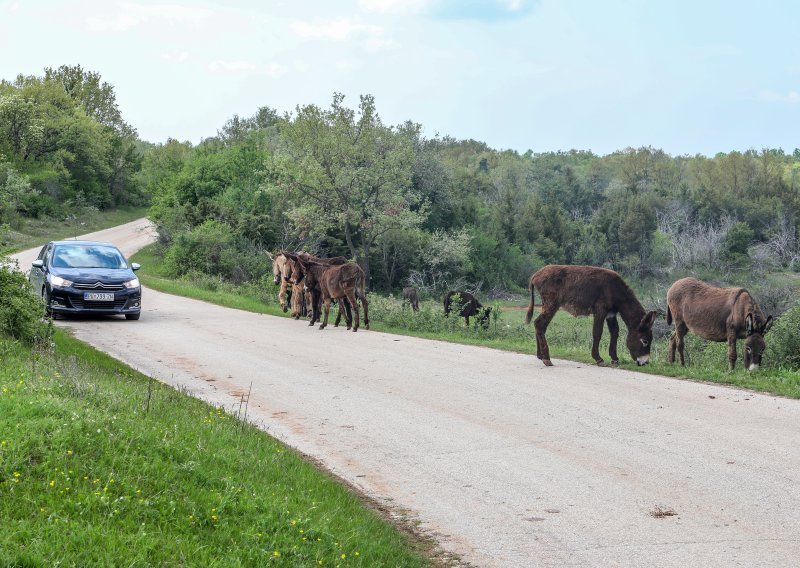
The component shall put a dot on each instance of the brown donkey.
(716, 314)
(343, 282)
(311, 293)
(282, 270)
(590, 290)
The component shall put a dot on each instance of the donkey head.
(754, 344)
(484, 317)
(640, 338)
(278, 265)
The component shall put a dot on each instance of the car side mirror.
(38, 263)
(135, 266)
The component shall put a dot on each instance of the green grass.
(101, 466)
(569, 338)
(35, 232)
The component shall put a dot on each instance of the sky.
(687, 76)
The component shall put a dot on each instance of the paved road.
(506, 462)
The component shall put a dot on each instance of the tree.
(348, 172)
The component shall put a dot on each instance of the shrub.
(21, 312)
(783, 341)
(213, 249)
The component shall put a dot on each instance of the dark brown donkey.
(343, 282)
(312, 295)
(590, 290)
(716, 314)
(468, 305)
(411, 296)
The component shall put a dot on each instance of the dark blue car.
(85, 277)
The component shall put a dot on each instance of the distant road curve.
(503, 461)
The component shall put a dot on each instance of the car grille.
(97, 286)
(94, 305)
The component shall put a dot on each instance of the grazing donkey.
(468, 305)
(411, 296)
(590, 290)
(335, 282)
(716, 314)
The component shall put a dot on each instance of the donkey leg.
(327, 310)
(351, 298)
(541, 323)
(282, 296)
(597, 333)
(613, 329)
(365, 306)
(315, 307)
(680, 332)
(731, 350)
(673, 344)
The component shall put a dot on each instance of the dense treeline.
(434, 212)
(445, 213)
(64, 146)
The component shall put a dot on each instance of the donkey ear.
(269, 256)
(647, 320)
(767, 325)
(748, 324)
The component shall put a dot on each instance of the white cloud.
(245, 67)
(792, 97)
(13, 8)
(127, 15)
(175, 56)
(337, 30)
(371, 37)
(396, 6)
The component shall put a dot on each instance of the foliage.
(346, 171)
(783, 341)
(21, 312)
(64, 131)
(213, 249)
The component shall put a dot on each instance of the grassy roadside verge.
(569, 338)
(99, 463)
(36, 232)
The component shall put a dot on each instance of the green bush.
(783, 341)
(21, 312)
(214, 250)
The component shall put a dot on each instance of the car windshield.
(87, 256)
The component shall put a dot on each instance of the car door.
(39, 275)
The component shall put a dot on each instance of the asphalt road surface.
(505, 462)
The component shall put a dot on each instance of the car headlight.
(58, 282)
(131, 283)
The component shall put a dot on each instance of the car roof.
(82, 243)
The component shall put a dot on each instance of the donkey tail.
(669, 316)
(529, 315)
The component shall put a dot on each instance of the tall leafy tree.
(349, 172)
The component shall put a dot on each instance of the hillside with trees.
(439, 212)
(434, 212)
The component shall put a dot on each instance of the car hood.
(107, 275)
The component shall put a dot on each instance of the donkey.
(338, 282)
(468, 306)
(585, 290)
(716, 314)
(411, 296)
(312, 297)
(281, 270)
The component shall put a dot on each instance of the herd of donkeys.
(713, 313)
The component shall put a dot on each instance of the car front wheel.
(48, 307)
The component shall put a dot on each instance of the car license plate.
(98, 296)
